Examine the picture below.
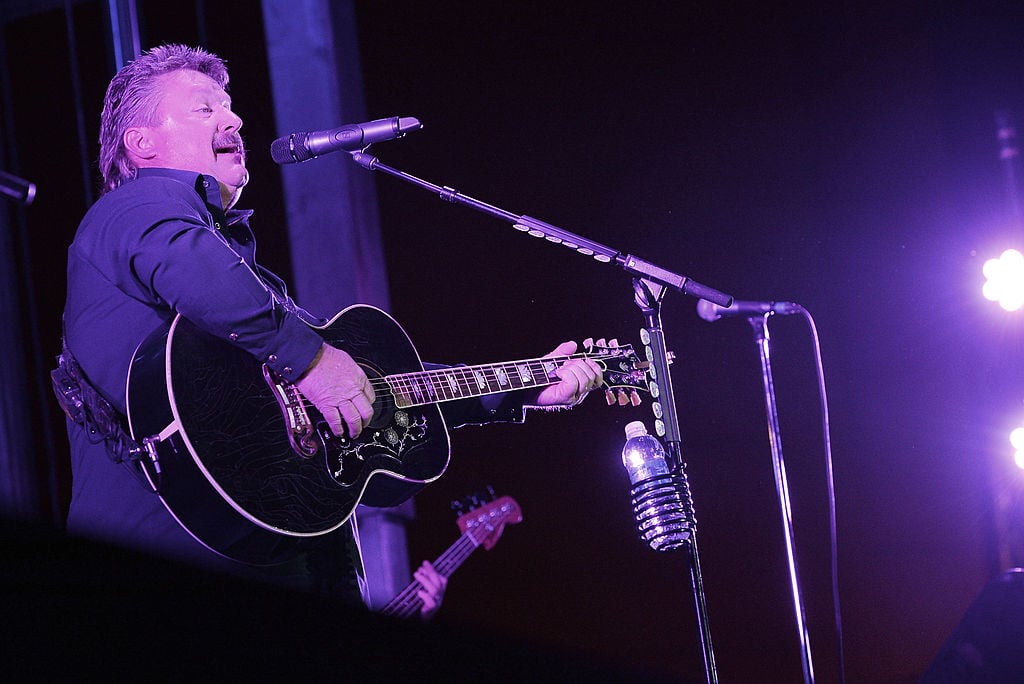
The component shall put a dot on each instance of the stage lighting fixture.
(1017, 440)
(1005, 280)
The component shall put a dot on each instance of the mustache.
(230, 141)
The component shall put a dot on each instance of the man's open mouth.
(228, 148)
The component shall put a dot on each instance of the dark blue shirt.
(158, 246)
(161, 245)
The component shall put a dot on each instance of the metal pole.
(761, 337)
(124, 31)
(648, 296)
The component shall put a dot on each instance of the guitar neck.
(407, 603)
(461, 382)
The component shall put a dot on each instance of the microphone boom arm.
(650, 286)
(537, 228)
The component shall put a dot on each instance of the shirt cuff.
(295, 347)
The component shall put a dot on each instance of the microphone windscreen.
(280, 150)
(290, 149)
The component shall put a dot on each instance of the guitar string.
(407, 601)
(441, 372)
(446, 564)
(387, 384)
(411, 385)
(468, 373)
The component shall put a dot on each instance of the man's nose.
(230, 121)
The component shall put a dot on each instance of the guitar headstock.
(486, 521)
(624, 374)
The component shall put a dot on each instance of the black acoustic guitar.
(249, 468)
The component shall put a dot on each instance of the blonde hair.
(132, 98)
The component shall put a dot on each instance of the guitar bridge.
(301, 432)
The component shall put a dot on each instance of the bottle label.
(648, 469)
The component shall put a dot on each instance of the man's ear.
(139, 144)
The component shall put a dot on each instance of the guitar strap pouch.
(87, 408)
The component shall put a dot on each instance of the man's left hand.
(576, 378)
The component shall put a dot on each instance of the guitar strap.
(87, 408)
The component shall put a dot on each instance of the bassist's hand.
(433, 585)
(340, 390)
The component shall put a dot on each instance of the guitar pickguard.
(387, 447)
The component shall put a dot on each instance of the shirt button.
(206, 183)
(233, 337)
(272, 358)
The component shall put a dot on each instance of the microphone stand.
(761, 338)
(666, 424)
(650, 287)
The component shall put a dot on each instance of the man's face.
(197, 131)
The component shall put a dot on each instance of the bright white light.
(1017, 438)
(1005, 280)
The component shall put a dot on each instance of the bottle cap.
(635, 429)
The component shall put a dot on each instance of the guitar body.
(227, 466)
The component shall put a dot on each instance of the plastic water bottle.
(643, 456)
(660, 499)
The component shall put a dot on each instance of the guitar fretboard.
(460, 382)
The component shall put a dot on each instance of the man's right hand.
(340, 390)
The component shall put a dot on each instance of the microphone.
(710, 311)
(298, 147)
(17, 189)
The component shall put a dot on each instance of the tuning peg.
(623, 399)
(465, 504)
(634, 398)
(609, 397)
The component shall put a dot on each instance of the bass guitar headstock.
(484, 517)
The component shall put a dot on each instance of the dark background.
(844, 158)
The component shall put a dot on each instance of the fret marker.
(502, 376)
(524, 373)
(481, 381)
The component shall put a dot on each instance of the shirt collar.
(207, 188)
